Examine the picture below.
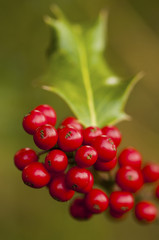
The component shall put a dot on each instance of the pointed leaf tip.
(47, 20)
(57, 11)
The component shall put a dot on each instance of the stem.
(105, 179)
(46, 151)
(42, 152)
(70, 155)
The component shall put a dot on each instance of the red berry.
(48, 112)
(121, 202)
(115, 214)
(33, 120)
(105, 166)
(69, 139)
(45, 137)
(56, 161)
(129, 179)
(130, 157)
(54, 175)
(114, 133)
(145, 211)
(89, 185)
(86, 156)
(89, 134)
(96, 201)
(151, 172)
(77, 178)
(24, 157)
(73, 122)
(157, 191)
(35, 175)
(78, 209)
(62, 126)
(105, 148)
(58, 189)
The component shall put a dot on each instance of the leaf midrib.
(86, 80)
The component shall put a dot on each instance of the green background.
(133, 46)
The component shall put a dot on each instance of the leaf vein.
(87, 81)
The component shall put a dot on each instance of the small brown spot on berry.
(68, 134)
(89, 156)
(74, 186)
(129, 177)
(49, 162)
(94, 129)
(124, 208)
(42, 134)
(110, 141)
(96, 206)
(29, 184)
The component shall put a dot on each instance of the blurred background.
(133, 46)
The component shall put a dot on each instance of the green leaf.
(80, 75)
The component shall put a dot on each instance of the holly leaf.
(81, 76)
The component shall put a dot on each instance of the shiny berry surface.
(89, 134)
(114, 133)
(73, 122)
(129, 179)
(33, 120)
(89, 186)
(130, 157)
(69, 139)
(151, 172)
(24, 157)
(121, 202)
(86, 156)
(56, 161)
(96, 201)
(48, 112)
(105, 148)
(35, 175)
(145, 211)
(58, 189)
(105, 166)
(77, 178)
(45, 137)
(78, 209)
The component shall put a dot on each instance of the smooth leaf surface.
(80, 75)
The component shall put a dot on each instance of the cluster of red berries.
(75, 158)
